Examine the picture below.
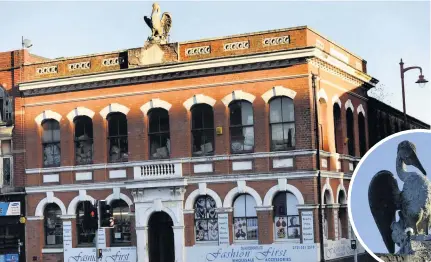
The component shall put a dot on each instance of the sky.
(383, 157)
(380, 32)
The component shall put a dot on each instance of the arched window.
(282, 123)
(338, 131)
(286, 216)
(244, 218)
(160, 144)
(86, 234)
(117, 137)
(5, 107)
(51, 143)
(362, 136)
(202, 130)
(350, 132)
(206, 224)
(241, 126)
(83, 140)
(53, 225)
(323, 125)
(343, 220)
(121, 233)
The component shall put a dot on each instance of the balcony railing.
(154, 171)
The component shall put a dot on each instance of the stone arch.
(42, 204)
(147, 214)
(360, 109)
(267, 201)
(348, 105)
(122, 196)
(114, 107)
(47, 114)
(341, 189)
(278, 91)
(80, 111)
(196, 193)
(155, 103)
(199, 99)
(328, 188)
(238, 95)
(228, 200)
(336, 99)
(322, 95)
(71, 210)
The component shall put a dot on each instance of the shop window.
(6, 108)
(241, 127)
(245, 218)
(117, 137)
(350, 132)
(53, 225)
(83, 140)
(86, 237)
(160, 144)
(282, 123)
(206, 224)
(121, 233)
(286, 216)
(9, 237)
(338, 131)
(362, 136)
(51, 143)
(202, 130)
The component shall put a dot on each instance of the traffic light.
(106, 218)
(90, 216)
(353, 244)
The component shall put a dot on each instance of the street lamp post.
(421, 81)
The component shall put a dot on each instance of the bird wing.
(148, 22)
(383, 197)
(166, 22)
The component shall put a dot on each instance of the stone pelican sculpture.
(160, 27)
(413, 203)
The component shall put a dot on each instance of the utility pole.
(319, 180)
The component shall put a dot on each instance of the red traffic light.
(92, 214)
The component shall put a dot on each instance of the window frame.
(247, 218)
(124, 207)
(159, 133)
(205, 219)
(58, 216)
(287, 217)
(89, 139)
(242, 126)
(44, 144)
(203, 130)
(282, 123)
(118, 138)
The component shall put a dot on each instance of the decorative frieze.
(281, 40)
(80, 65)
(200, 50)
(113, 61)
(47, 70)
(236, 46)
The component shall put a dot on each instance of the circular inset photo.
(389, 200)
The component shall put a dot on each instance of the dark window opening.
(338, 129)
(202, 130)
(6, 108)
(282, 123)
(53, 225)
(86, 236)
(51, 143)
(241, 127)
(206, 224)
(350, 132)
(160, 144)
(121, 233)
(83, 140)
(117, 137)
(362, 135)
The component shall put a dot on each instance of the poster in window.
(293, 232)
(212, 230)
(201, 230)
(281, 227)
(240, 227)
(294, 221)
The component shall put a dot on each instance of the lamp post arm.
(412, 67)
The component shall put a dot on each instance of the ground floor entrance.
(161, 238)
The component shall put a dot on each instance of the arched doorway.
(161, 238)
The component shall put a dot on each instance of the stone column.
(179, 243)
(142, 243)
(265, 224)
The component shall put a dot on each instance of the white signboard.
(223, 229)
(101, 238)
(254, 253)
(307, 227)
(67, 235)
(112, 254)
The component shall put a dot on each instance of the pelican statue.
(413, 203)
(160, 27)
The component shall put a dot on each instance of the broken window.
(5, 107)
(117, 137)
(122, 232)
(282, 123)
(83, 140)
(53, 225)
(286, 216)
(160, 145)
(241, 126)
(202, 130)
(51, 143)
(245, 218)
(206, 223)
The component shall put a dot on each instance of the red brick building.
(205, 149)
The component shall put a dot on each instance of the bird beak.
(416, 163)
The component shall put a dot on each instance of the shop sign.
(10, 208)
(307, 227)
(112, 254)
(280, 252)
(9, 258)
(223, 229)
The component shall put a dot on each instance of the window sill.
(206, 243)
(52, 250)
(296, 241)
(245, 242)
